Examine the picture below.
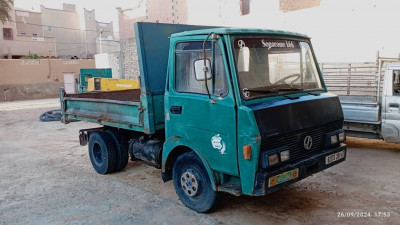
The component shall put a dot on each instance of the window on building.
(23, 33)
(245, 7)
(185, 79)
(7, 34)
(49, 28)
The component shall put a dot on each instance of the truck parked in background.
(370, 98)
(243, 111)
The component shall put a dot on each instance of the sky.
(341, 30)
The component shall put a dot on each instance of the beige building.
(55, 33)
(156, 11)
(24, 36)
(94, 31)
(205, 12)
(64, 26)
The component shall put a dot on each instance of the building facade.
(23, 35)
(55, 33)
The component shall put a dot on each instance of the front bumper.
(306, 167)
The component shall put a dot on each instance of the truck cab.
(253, 107)
(391, 104)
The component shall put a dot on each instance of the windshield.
(269, 67)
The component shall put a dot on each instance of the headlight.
(342, 137)
(334, 139)
(273, 159)
(285, 155)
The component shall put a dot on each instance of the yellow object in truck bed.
(110, 84)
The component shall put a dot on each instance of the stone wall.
(129, 59)
(35, 79)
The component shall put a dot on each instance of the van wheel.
(102, 152)
(192, 183)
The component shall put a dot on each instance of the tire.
(102, 152)
(121, 151)
(52, 115)
(192, 183)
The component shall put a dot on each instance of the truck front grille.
(295, 140)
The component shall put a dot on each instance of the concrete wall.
(166, 11)
(26, 23)
(126, 29)
(156, 11)
(108, 30)
(34, 79)
(90, 31)
(109, 60)
(92, 35)
(65, 27)
(23, 45)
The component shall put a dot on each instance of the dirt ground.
(46, 178)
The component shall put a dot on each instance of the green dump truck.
(243, 111)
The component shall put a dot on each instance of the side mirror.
(244, 60)
(199, 69)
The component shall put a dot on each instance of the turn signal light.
(247, 152)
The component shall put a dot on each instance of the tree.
(5, 9)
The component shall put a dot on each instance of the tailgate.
(114, 110)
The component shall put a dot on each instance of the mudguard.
(172, 144)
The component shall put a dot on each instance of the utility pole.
(101, 47)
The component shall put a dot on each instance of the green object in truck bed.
(85, 74)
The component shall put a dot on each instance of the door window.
(186, 53)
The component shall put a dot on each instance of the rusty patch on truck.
(124, 95)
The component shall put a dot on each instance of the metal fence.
(355, 81)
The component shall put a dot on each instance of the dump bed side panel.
(152, 40)
(121, 109)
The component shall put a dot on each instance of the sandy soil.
(46, 178)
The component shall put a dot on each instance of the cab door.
(208, 125)
(391, 105)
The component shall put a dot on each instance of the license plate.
(283, 177)
(334, 157)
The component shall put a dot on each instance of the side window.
(186, 53)
(396, 82)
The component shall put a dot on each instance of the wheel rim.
(97, 153)
(189, 183)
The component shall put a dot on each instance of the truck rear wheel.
(192, 183)
(102, 152)
(121, 151)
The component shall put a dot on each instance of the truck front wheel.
(102, 152)
(192, 183)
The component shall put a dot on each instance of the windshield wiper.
(262, 91)
(291, 89)
(300, 89)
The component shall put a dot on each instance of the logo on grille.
(308, 142)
